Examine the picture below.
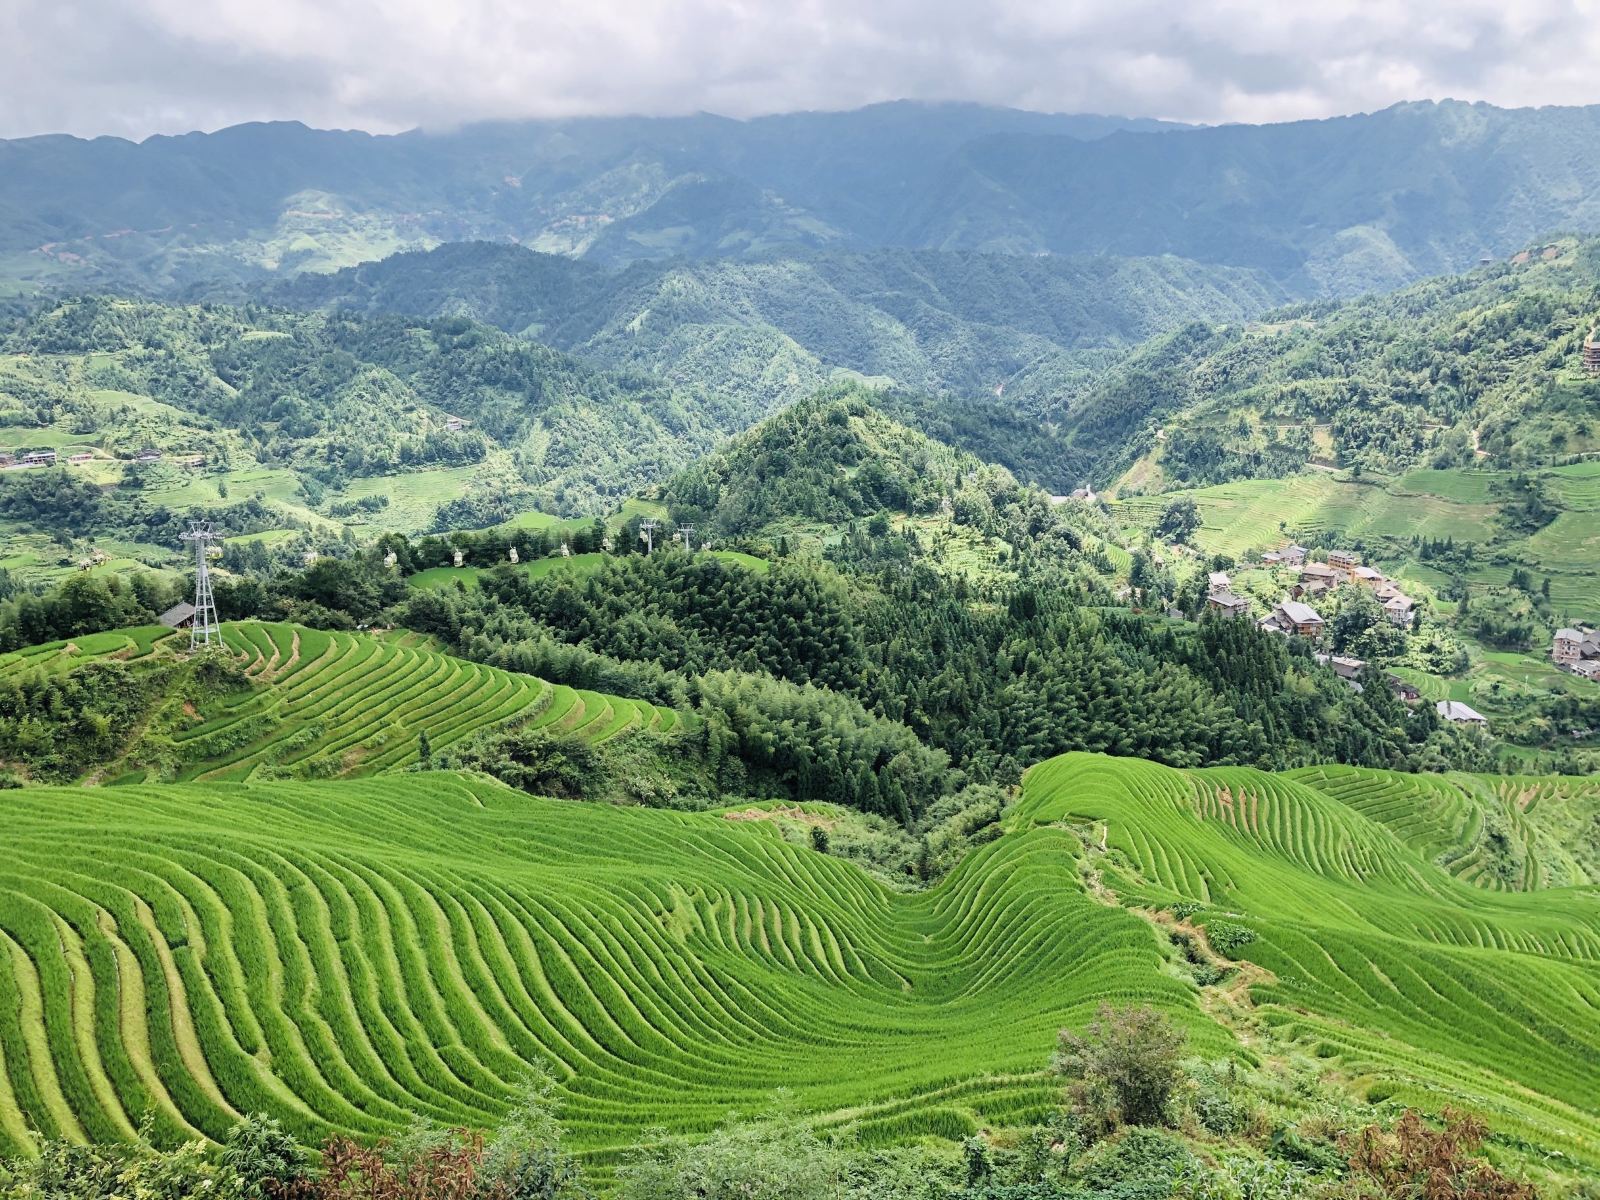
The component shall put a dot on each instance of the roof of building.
(177, 614)
(1400, 601)
(1454, 710)
(1569, 635)
(1226, 600)
(1300, 614)
(1318, 569)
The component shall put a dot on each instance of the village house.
(1344, 560)
(454, 424)
(1406, 691)
(1306, 591)
(1368, 577)
(147, 455)
(80, 458)
(1343, 666)
(1461, 714)
(179, 616)
(1226, 604)
(1346, 668)
(1399, 609)
(1319, 573)
(1291, 616)
(1567, 648)
(1288, 556)
(1218, 581)
(1591, 352)
(38, 458)
(1577, 649)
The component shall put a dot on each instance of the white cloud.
(133, 67)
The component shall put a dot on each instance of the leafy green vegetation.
(665, 968)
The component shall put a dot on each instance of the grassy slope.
(357, 952)
(324, 704)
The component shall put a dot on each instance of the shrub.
(1129, 1056)
(1226, 938)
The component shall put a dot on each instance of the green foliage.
(1179, 520)
(1124, 1065)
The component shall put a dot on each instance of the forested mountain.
(1333, 206)
(1479, 369)
(926, 320)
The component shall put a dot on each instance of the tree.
(1128, 1057)
(424, 751)
(1179, 520)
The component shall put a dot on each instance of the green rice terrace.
(357, 952)
(317, 703)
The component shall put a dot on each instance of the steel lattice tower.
(205, 626)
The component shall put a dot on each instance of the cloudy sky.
(134, 67)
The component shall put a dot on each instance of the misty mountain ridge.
(1325, 207)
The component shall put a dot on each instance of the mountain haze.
(1327, 207)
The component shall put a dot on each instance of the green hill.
(356, 953)
(296, 702)
(1472, 370)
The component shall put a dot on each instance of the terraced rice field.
(1374, 955)
(1258, 514)
(347, 954)
(322, 704)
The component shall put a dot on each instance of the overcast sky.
(134, 67)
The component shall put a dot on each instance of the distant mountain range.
(1324, 207)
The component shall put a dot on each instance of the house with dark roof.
(1226, 604)
(1291, 616)
(179, 616)
(1319, 572)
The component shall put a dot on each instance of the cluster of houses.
(1294, 614)
(20, 461)
(1577, 650)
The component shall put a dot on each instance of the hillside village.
(1296, 616)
